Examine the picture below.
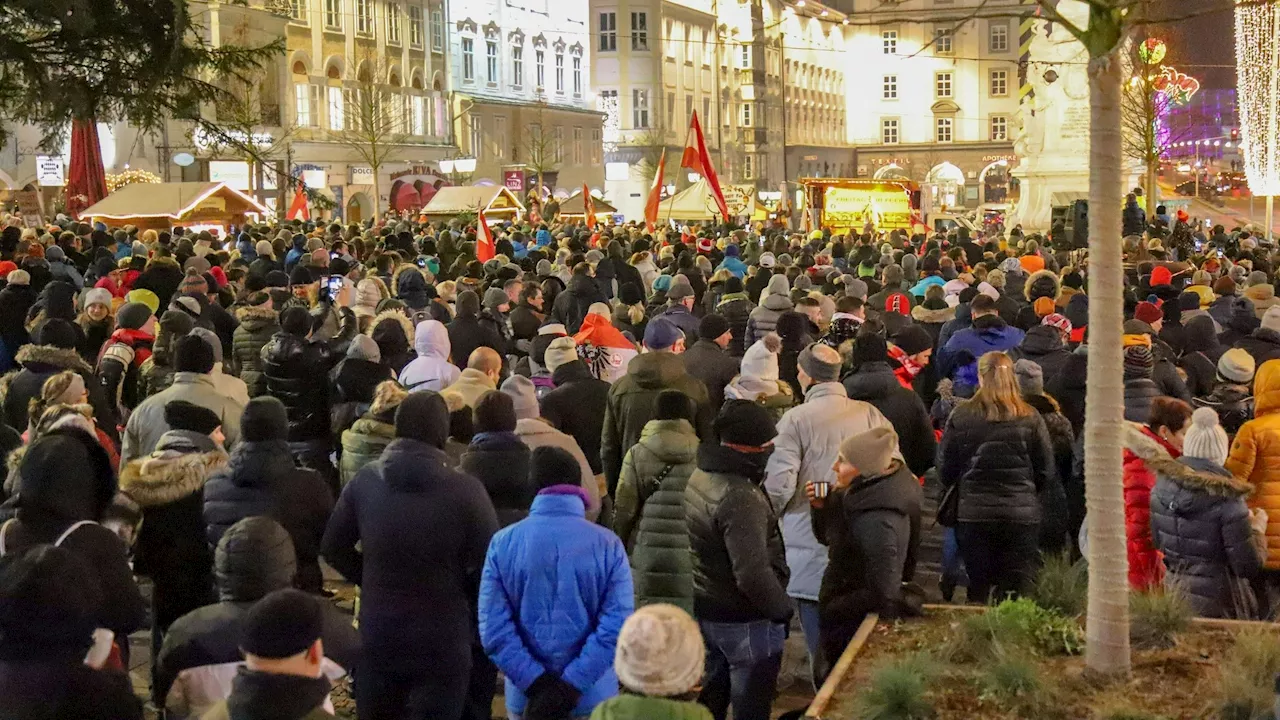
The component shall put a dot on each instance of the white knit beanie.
(1205, 438)
(761, 359)
(660, 652)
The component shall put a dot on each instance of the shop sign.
(29, 207)
(415, 170)
(513, 180)
(49, 171)
(234, 173)
(360, 175)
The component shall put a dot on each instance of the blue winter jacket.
(555, 591)
(960, 355)
(542, 238)
(733, 265)
(919, 288)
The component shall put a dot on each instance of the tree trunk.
(377, 213)
(1107, 647)
(1153, 188)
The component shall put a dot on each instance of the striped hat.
(1138, 362)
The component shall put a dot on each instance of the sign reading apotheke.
(49, 171)
(360, 175)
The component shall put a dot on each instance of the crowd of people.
(614, 467)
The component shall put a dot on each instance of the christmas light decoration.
(1258, 92)
(1152, 51)
(129, 177)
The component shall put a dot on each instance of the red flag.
(589, 207)
(298, 208)
(485, 247)
(655, 193)
(698, 160)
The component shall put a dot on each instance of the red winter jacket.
(1146, 566)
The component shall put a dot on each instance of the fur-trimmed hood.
(1203, 479)
(169, 475)
(1042, 283)
(402, 269)
(922, 314)
(159, 261)
(400, 317)
(62, 358)
(256, 317)
(387, 397)
(1146, 447)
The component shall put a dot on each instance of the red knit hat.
(1161, 276)
(1148, 312)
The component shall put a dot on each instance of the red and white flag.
(589, 207)
(655, 193)
(697, 159)
(485, 246)
(298, 209)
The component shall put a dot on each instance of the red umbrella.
(86, 180)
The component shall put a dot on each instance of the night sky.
(1196, 45)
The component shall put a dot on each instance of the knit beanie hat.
(133, 315)
(263, 249)
(760, 361)
(660, 652)
(1030, 377)
(550, 465)
(1205, 438)
(673, 405)
(1224, 286)
(1059, 321)
(743, 422)
(1148, 312)
(913, 339)
(282, 624)
(856, 288)
(680, 288)
(264, 418)
(494, 298)
(561, 351)
(19, 277)
(1271, 319)
(524, 396)
(192, 354)
(183, 415)
(712, 326)
(146, 297)
(193, 282)
(364, 348)
(494, 412)
(820, 362)
(1043, 306)
(97, 296)
(630, 294)
(423, 416)
(56, 332)
(871, 451)
(1236, 365)
(211, 339)
(1138, 362)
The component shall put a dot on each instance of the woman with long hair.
(996, 452)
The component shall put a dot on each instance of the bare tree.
(375, 120)
(542, 148)
(1148, 135)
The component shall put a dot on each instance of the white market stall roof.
(471, 198)
(573, 206)
(176, 201)
(693, 203)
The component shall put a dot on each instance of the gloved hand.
(550, 698)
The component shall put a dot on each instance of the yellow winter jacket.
(1255, 455)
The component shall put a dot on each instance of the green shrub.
(1246, 688)
(1013, 626)
(897, 691)
(1011, 676)
(1157, 616)
(1062, 585)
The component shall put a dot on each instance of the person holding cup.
(868, 516)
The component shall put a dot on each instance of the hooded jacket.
(576, 407)
(296, 370)
(261, 479)
(163, 277)
(39, 363)
(1255, 455)
(932, 320)
(1043, 346)
(171, 548)
(872, 532)
(876, 383)
(630, 405)
(764, 318)
(394, 334)
(959, 358)
(500, 461)
(1200, 523)
(571, 306)
(1041, 283)
(431, 369)
(467, 332)
(201, 653)
(257, 326)
(649, 512)
(809, 437)
(1141, 448)
(1232, 402)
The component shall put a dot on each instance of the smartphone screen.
(334, 286)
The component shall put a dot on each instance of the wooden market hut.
(497, 202)
(160, 206)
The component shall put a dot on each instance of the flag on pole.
(485, 246)
(697, 159)
(589, 207)
(655, 193)
(298, 208)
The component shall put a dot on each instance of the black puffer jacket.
(736, 308)
(1200, 522)
(257, 325)
(1138, 394)
(1068, 388)
(500, 461)
(999, 466)
(736, 576)
(1263, 345)
(261, 479)
(571, 305)
(295, 371)
(1233, 404)
(354, 382)
(872, 532)
(576, 407)
(1043, 346)
(876, 383)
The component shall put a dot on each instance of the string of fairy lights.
(1258, 92)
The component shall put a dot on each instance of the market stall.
(497, 202)
(160, 206)
(573, 208)
(695, 203)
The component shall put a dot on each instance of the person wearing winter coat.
(119, 366)
(261, 479)
(229, 385)
(708, 360)
(49, 601)
(575, 406)
(432, 369)
(1139, 389)
(571, 306)
(932, 314)
(1254, 457)
(61, 269)
(873, 381)
(631, 398)
(1200, 353)
(870, 524)
(259, 321)
(397, 342)
(1134, 217)
(809, 437)
(1241, 322)
(660, 662)
(1231, 396)
(354, 380)
(156, 373)
(483, 371)
(53, 350)
(64, 488)
(1261, 293)
(416, 619)
(1264, 343)
(535, 432)
(775, 301)
(740, 571)
(1044, 345)
(163, 276)
(555, 592)
(1161, 436)
(16, 300)
(735, 307)
(995, 450)
(296, 366)
(1202, 525)
(168, 486)
(649, 508)
(499, 459)
(368, 436)
(467, 332)
(1062, 498)
(759, 381)
(201, 656)
(97, 322)
(958, 358)
(1041, 284)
